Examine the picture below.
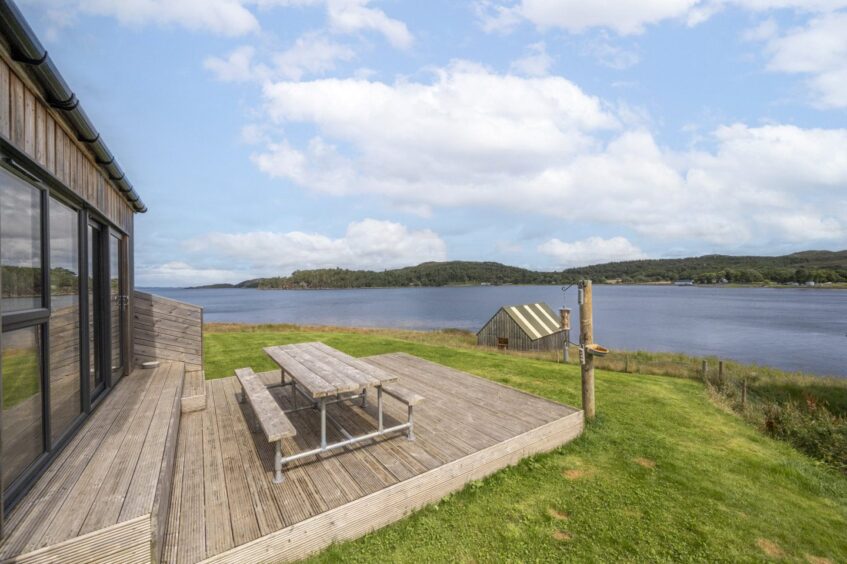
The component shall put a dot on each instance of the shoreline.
(834, 286)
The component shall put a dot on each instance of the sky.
(267, 136)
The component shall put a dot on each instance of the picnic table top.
(323, 371)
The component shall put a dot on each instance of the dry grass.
(770, 548)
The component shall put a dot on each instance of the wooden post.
(703, 368)
(720, 370)
(626, 364)
(586, 337)
(565, 315)
(743, 393)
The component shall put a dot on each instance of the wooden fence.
(166, 329)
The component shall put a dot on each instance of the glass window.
(65, 402)
(94, 311)
(115, 300)
(22, 427)
(20, 243)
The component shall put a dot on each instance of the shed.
(528, 327)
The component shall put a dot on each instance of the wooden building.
(529, 327)
(66, 228)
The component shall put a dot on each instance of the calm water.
(793, 329)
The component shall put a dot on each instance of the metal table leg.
(379, 406)
(278, 478)
(323, 423)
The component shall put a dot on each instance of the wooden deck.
(225, 508)
(167, 468)
(105, 497)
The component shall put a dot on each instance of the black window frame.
(21, 165)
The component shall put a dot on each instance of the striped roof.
(536, 320)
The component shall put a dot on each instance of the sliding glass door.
(95, 304)
(24, 318)
(65, 357)
(117, 304)
(63, 322)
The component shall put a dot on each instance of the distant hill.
(817, 266)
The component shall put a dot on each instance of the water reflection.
(20, 251)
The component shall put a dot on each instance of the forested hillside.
(818, 266)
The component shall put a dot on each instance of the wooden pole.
(743, 393)
(586, 337)
(703, 368)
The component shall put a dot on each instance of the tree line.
(799, 268)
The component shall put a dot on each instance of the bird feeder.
(565, 316)
(596, 350)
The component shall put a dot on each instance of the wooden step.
(194, 391)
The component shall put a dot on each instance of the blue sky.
(271, 135)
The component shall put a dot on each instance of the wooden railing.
(166, 329)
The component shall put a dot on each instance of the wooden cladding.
(167, 330)
(28, 123)
(504, 333)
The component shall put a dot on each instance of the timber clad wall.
(503, 326)
(33, 127)
(167, 330)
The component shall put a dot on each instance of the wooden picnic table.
(325, 376)
(322, 371)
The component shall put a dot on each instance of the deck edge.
(378, 509)
(164, 484)
(131, 539)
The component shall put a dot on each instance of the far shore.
(830, 286)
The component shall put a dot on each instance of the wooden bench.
(406, 396)
(267, 413)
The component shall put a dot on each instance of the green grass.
(664, 474)
(21, 378)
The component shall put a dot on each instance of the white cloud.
(604, 51)
(536, 63)
(817, 50)
(222, 17)
(311, 54)
(593, 250)
(624, 17)
(541, 145)
(352, 16)
(367, 244)
(179, 273)
(237, 66)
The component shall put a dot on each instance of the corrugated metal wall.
(503, 326)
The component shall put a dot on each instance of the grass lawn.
(663, 474)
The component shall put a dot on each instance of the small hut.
(529, 327)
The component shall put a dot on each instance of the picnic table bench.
(265, 413)
(323, 376)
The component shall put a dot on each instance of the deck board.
(467, 426)
(97, 484)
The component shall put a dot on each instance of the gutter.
(27, 50)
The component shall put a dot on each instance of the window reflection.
(65, 403)
(115, 300)
(20, 243)
(22, 426)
